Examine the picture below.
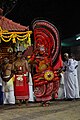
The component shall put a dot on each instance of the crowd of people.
(16, 81)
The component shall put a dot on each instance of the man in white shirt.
(69, 77)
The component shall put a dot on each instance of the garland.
(7, 36)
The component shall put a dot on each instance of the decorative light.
(78, 38)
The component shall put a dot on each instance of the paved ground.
(58, 110)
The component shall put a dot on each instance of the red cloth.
(21, 87)
(59, 63)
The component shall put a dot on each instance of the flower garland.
(7, 36)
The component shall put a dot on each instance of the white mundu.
(61, 87)
(8, 92)
(31, 96)
(76, 80)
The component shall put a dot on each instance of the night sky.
(63, 14)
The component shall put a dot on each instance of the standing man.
(69, 78)
(76, 79)
(8, 87)
(21, 88)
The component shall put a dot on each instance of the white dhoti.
(69, 79)
(8, 92)
(31, 95)
(61, 88)
(69, 84)
(76, 87)
(76, 80)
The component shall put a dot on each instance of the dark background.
(63, 14)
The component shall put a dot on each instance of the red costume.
(48, 61)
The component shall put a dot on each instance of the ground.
(58, 110)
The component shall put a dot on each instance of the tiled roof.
(9, 25)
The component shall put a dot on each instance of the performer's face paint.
(42, 49)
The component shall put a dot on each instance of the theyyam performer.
(46, 61)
